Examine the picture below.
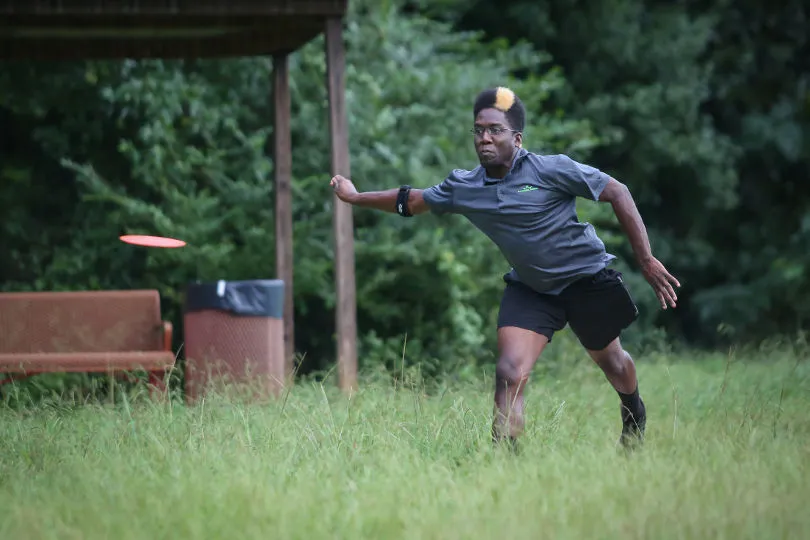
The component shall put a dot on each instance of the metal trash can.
(234, 337)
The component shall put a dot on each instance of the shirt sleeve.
(439, 198)
(575, 178)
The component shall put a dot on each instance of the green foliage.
(702, 109)
(410, 84)
(166, 155)
(180, 149)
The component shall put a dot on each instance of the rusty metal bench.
(85, 331)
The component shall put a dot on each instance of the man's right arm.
(387, 200)
(380, 200)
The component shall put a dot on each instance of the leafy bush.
(180, 149)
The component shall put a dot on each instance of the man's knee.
(512, 371)
(612, 358)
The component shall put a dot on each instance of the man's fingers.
(662, 282)
(672, 279)
(668, 281)
(668, 293)
(665, 293)
(661, 299)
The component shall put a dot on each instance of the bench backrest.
(85, 321)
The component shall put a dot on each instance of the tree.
(179, 148)
(702, 108)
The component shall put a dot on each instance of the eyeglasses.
(492, 130)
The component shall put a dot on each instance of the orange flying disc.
(152, 241)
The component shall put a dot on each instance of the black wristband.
(402, 201)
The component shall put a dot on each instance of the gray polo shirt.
(530, 214)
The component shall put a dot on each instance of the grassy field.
(727, 456)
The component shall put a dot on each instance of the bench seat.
(85, 331)
(29, 363)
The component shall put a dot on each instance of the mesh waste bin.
(234, 337)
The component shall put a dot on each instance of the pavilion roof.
(97, 29)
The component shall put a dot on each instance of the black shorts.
(596, 307)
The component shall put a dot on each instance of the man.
(525, 203)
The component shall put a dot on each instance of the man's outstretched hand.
(661, 281)
(344, 188)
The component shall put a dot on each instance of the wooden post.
(282, 159)
(345, 315)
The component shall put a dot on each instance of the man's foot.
(509, 443)
(633, 426)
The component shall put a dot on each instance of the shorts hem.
(597, 346)
(543, 331)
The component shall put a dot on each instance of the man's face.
(495, 141)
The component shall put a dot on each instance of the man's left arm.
(619, 196)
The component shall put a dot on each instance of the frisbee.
(152, 241)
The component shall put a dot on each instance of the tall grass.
(727, 454)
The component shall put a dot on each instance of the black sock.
(632, 403)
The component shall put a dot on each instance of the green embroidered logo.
(524, 189)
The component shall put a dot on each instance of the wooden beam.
(282, 159)
(247, 43)
(183, 8)
(345, 315)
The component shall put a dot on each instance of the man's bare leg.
(620, 371)
(617, 365)
(518, 351)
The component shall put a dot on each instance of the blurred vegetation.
(701, 108)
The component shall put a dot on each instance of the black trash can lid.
(257, 298)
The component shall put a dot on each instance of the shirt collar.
(519, 155)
